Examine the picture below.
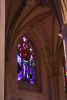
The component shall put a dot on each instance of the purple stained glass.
(26, 61)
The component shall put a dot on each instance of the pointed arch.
(26, 62)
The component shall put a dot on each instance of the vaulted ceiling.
(20, 14)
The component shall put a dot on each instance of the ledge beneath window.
(30, 87)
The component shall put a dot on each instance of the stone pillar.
(2, 47)
(64, 33)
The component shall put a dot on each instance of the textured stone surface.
(2, 39)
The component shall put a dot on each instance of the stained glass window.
(65, 72)
(26, 61)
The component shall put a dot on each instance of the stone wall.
(2, 47)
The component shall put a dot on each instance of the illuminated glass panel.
(26, 61)
(65, 74)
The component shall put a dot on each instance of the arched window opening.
(26, 61)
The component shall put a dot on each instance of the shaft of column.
(64, 33)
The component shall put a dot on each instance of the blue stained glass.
(26, 61)
(19, 59)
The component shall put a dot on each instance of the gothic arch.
(42, 28)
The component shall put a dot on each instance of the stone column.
(2, 47)
(64, 33)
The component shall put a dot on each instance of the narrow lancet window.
(26, 61)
